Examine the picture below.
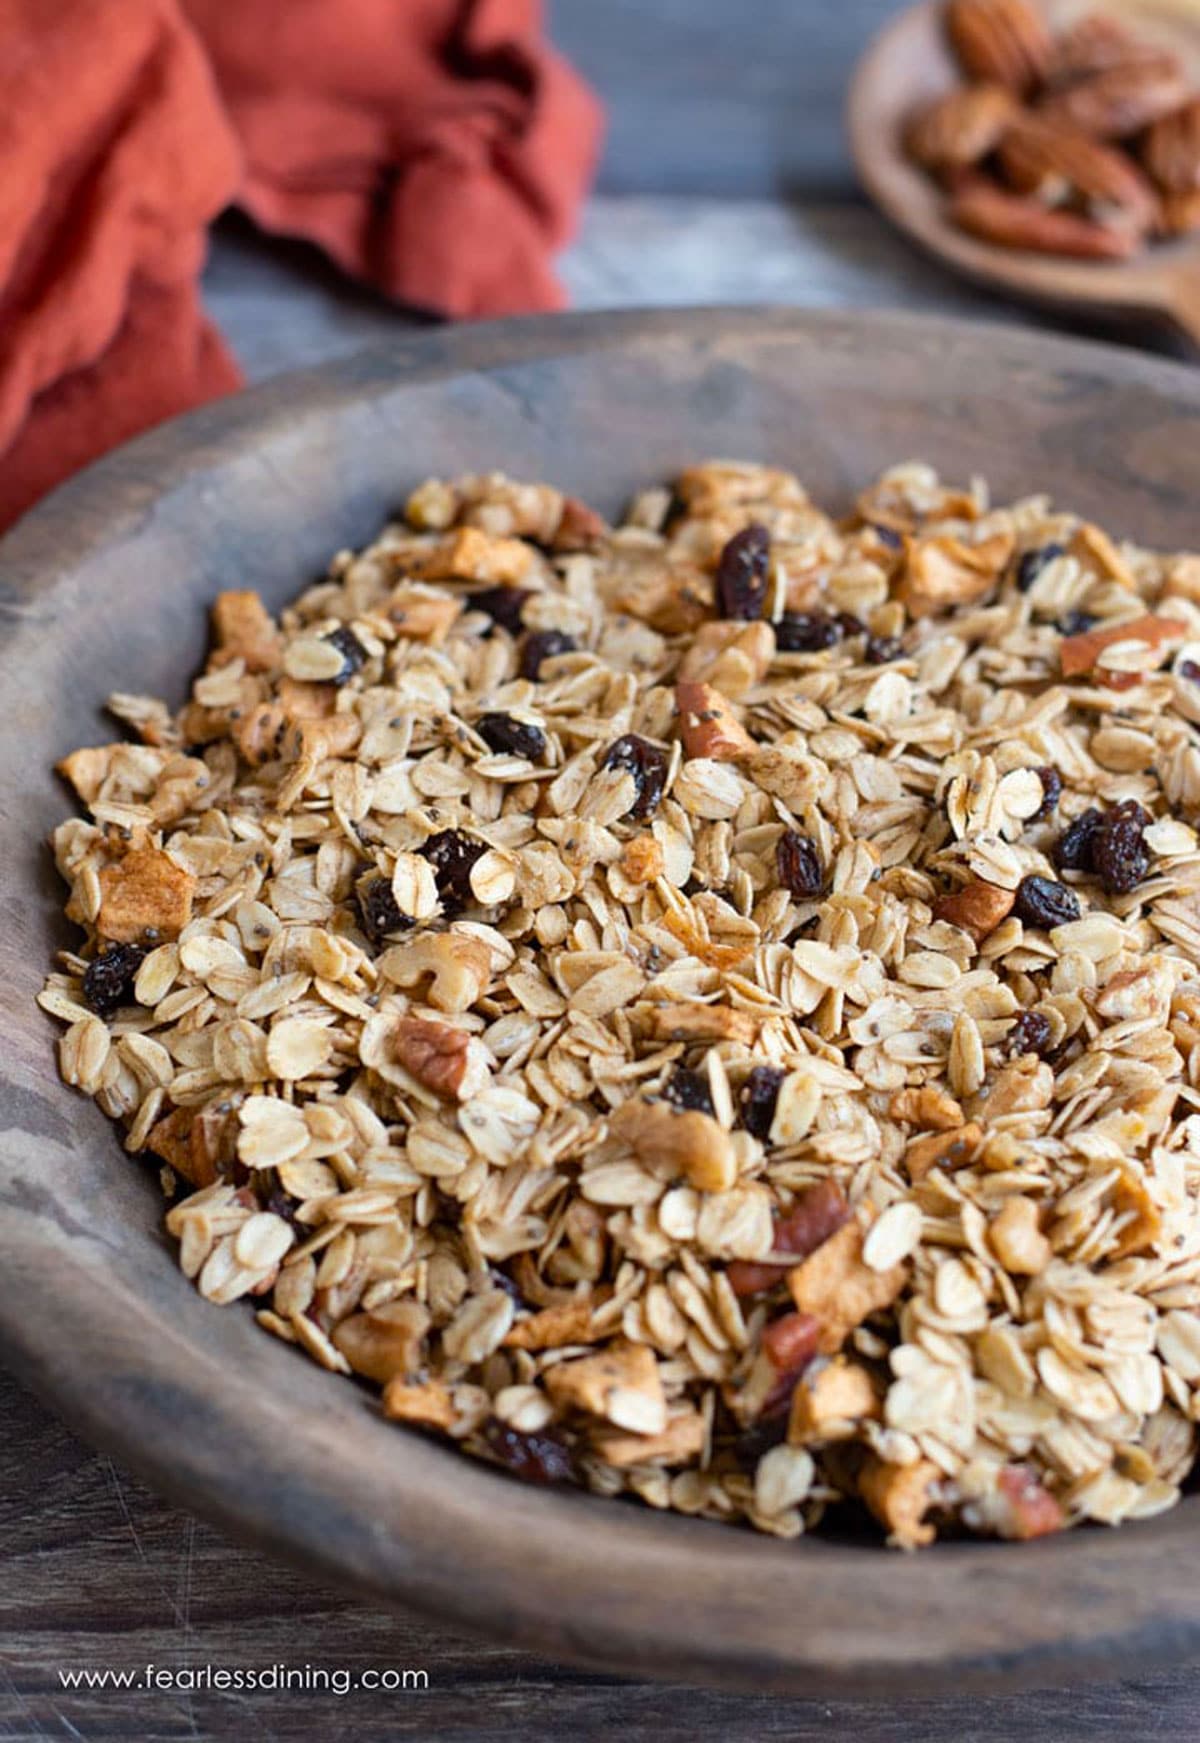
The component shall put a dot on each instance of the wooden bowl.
(106, 586)
(907, 65)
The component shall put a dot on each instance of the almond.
(1012, 221)
(959, 128)
(1171, 150)
(708, 725)
(1079, 653)
(1122, 100)
(1004, 40)
(978, 908)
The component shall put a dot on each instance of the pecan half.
(1171, 150)
(1005, 40)
(1059, 165)
(1080, 653)
(1016, 222)
(957, 129)
(1122, 100)
(1093, 44)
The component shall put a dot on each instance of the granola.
(707, 1009)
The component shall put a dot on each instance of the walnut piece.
(689, 1144)
(446, 1060)
(831, 1399)
(459, 968)
(900, 1496)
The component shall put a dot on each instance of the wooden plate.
(106, 587)
(908, 64)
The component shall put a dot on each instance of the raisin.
(1031, 564)
(1030, 1033)
(502, 604)
(881, 650)
(1042, 902)
(108, 981)
(1119, 854)
(282, 1204)
(1188, 669)
(503, 733)
(1128, 810)
(648, 766)
(757, 1100)
(538, 1458)
(688, 1091)
(1075, 847)
(1077, 622)
(452, 854)
(799, 864)
(544, 644)
(512, 1289)
(888, 536)
(806, 632)
(1051, 792)
(759, 1438)
(742, 573)
(354, 655)
(377, 906)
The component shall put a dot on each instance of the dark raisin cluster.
(742, 573)
(502, 604)
(108, 980)
(377, 906)
(544, 644)
(688, 1091)
(452, 854)
(648, 766)
(1030, 1033)
(1109, 845)
(1031, 563)
(799, 865)
(537, 1458)
(758, 1099)
(1042, 902)
(354, 655)
(517, 737)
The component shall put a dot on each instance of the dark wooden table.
(725, 179)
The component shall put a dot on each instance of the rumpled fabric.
(437, 149)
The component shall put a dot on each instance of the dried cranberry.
(544, 644)
(689, 1091)
(502, 604)
(108, 980)
(807, 632)
(1120, 855)
(1042, 902)
(354, 655)
(1051, 792)
(1077, 622)
(1075, 847)
(757, 1100)
(742, 573)
(881, 650)
(1030, 1033)
(648, 766)
(377, 905)
(1031, 564)
(517, 737)
(799, 865)
(538, 1458)
(452, 854)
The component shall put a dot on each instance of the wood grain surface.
(98, 1573)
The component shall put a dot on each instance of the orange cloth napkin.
(438, 148)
